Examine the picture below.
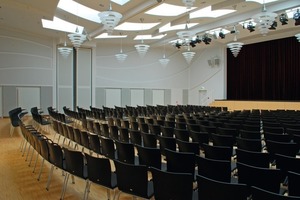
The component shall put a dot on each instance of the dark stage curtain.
(265, 71)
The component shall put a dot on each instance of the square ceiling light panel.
(79, 10)
(170, 10)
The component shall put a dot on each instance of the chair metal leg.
(49, 177)
(42, 165)
(28, 152)
(64, 186)
(87, 189)
(22, 144)
(31, 157)
(37, 156)
(12, 129)
(24, 150)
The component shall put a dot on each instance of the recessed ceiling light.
(79, 10)
(166, 9)
(61, 25)
(148, 37)
(130, 26)
(168, 27)
(207, 12)
(107, 36)
(263, 1)
(120, 2)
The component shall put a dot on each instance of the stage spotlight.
(233, 30)
(273, 26)
(296, 17)
(192, 43)
(283, 18)
(177, 45)
(250, 27)
(198, 39)
(206, 39)
(221, 35)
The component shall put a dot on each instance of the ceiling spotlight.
(296, 17)
(206, 39)
(283, 18)
(221, 34)
(198, 39)
(177, 45)
(250, 27)
(233, 30)
(193, 43)
(273, 26)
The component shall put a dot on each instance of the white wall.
(138, 72)
(28, 60)
(147, 72)
(207, 82)
(25, 60)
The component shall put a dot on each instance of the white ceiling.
(26, 15)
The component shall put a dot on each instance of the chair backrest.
(97, 128)
(125, 152)
(167, 131)
(219, 170)
(227, 131)
(170, 185)
(277, 137)
(166, 143)
(133, 179)
(14, 116)
(77, 135)
(155, 129)
(149, 140)
(209, 189)
(292, 131)
(124, 134)
(95, 143)
(217, 152)
(223, 140)
(182, 134)
(44, 149)
(100, 171)
(293, 183)
(151, 157)
(194, 127)
(273, 129)
(261, 194)
(258, 159)
(114, 132)
(85, 141)
(254, 126)
(108, 147)
(190, 147)
(104, 130)
(144, 127)
(287, 163)
(199, 137)
(247, 134)
(135, 137)
(284, 148)
(180, 162)
(265, 178)
(56, 156)
(249, 144)
(75, 163)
